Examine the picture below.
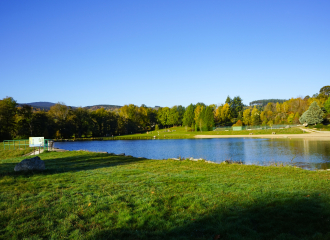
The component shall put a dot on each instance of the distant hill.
(42, 105)
(47, 105)
(264, 102)
(105, 106)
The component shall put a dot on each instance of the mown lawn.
(85, 195)
(182, 132)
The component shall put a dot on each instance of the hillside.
(264, 102)
(105, 106)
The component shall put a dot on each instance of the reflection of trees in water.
(312, 153)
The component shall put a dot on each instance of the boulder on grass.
(31, 164)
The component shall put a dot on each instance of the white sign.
(36, 141)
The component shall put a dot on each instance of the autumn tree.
(255, 116)
(63, 118)
(247, 117)
(225, 114)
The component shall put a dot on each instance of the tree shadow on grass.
(299, 218)
(75, 163)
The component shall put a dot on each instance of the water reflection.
(304, 153)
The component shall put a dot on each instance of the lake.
(307, 154)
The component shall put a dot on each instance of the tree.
(208, 118)
(238, 123)
(247, 117)
(290, 118)
(43, 125)
(173, 118)
(327, 105)
(163, 116)
(225, 113)
(7, 118)
(82, 121)
(198, 111)
(217, 114)
(325, 90)
(24, 121)
(63, 118)
(181, 110)
(313, 115)
(255, 116)
(188, 116)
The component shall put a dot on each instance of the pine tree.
(313, 115)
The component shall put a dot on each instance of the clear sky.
(162, 52)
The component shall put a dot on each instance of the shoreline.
(323, 136)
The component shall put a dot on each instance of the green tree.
(207, 118)
(325, 90)
(24, 121)
(43, 125)
(327, 105)
(173, 118)
(313, 115)
(7, 118)
(181, 110)
(188, 116)
(236, 106)
(163, 116)
(82, 121)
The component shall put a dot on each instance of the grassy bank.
(182, 132)
(6, 153)
(85, 195)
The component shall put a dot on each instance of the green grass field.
(182, 132)
(85, 195)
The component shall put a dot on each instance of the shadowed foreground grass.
(86, 195)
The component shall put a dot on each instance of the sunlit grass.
(182, 132)
(86, 195)
(6, 153)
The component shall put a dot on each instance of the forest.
(61, 121)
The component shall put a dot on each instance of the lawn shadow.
(75, 163)
(300, 218)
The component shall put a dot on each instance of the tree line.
(62, 121)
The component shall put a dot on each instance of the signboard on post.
(36, 141)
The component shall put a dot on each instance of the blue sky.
(162, 52)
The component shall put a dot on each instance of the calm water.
(307, 154)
